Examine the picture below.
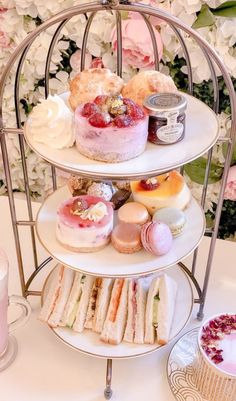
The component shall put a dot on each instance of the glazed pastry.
(174, 218)
(93, 82)
(52, 123)
(156, 238)
(133, 212)
(79, 185)
(120, 197)
(126, 238)
(166, 190)
(84, 223)
(111, 129)
(146, 83)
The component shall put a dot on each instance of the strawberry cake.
(111, 129)
(84, 223)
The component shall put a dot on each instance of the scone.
(166, 190)
(146, 83)
(93, 82)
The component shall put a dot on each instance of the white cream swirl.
(94, 212)
(52, 123)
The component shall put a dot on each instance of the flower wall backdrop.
(214, 19)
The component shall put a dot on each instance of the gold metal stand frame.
(59, 21)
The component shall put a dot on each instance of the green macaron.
(173, 217)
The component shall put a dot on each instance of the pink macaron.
(156, 238)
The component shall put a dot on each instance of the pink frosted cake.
(84, 223)
(215, 371)
(111, 129)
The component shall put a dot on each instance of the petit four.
(156, 238)
(174, 218)
(126, 238)
(133, 212)
(84, 223)
(166, 190)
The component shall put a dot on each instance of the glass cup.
(8, 344)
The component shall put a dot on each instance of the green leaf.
(224, 151)
(204, 18)
(226, 9)
(196, 171)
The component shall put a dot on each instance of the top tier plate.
(202, 131)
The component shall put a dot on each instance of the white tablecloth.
(47, 370)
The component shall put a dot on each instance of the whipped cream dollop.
(52, 123)
(95, 212)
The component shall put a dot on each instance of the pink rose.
(97, 63)
(154, 20)
(137, 44)
(4, 40)
(76, 58)
(230, 189)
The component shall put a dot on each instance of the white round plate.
(179, 368)
(201, 134)
(108, 262)
(89, 343)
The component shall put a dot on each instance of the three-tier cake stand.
(201, 135)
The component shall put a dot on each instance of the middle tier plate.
(108, 262)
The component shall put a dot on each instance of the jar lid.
(165, 102)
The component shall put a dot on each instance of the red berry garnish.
(149, 184)
(89, 109)
(100, 120)
(122, 120)
(79, 205)
(135, 111)
(100, 100)
(128, 101)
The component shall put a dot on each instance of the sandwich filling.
(72, 315)
(116, 300)
(134, 305)
(156, 300)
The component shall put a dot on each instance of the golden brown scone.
(93, 82)
(145, 83)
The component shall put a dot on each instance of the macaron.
(133, 212)
(126, 238)
(173, 217)
(156, 238)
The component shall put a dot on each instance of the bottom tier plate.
(180, 371)
(88, 342)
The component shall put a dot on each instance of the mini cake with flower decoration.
(84, 223)
(166, 190)
(111, 129)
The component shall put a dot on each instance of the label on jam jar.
(173, 130)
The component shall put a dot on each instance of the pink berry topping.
(79, 205)
(100, 100)
(213, 332)
(89, 109)
(150, 184)
(122, 120)
(100, 120)
(135, 111)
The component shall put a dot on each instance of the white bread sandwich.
(98, 304)
(160, 309)
(57, 296)
(166, 308)
(137, 297)
(151, 311)
(77, 303)
(114, 326)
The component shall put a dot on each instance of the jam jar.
(166, 117)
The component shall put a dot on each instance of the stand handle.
(108, 390)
